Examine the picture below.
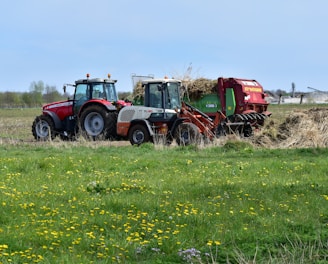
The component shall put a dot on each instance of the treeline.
(38, 95)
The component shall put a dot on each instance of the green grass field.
(93, 202)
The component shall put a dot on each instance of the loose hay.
(195, 88)
(301, 129)
(199, 87)
(138, 90)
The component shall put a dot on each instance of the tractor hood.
(59, 104)
(60, 109)
(123, 103)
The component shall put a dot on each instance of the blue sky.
(58, 41)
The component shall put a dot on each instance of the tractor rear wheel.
(98, 123)
(187, 134)
(43, 128)
(138, 134)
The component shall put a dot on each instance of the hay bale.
(138, 90)
(198, 87)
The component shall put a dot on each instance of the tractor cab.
(162, 93)
(94, 89)
(157, 114)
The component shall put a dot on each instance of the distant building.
(307, 98)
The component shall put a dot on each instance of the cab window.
(82, 92)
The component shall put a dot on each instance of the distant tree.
(27, 99)
(51, 94)
(38, 95)
(281, 92)
(10, 99)
(2, 99)
(36, 89)
(17, 102)
(124, 95)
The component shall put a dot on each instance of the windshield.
(172, 96)
(81, 92)
(158, 91)
(110, 91)
(104, 91)
(155, 97)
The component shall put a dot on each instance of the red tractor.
(92, 112)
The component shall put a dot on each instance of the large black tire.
(98, 123)
(138, 134)
(187, 134)
(43, 128)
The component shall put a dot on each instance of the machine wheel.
(187, 134)
(138, 134)
(248, 131)
(221, 131)
(98, 123)
(43, 128)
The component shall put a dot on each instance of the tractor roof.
(161, 80)
(95, 80)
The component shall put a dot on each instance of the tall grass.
(15, 124)
(71, 203)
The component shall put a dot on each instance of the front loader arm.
(204, 123)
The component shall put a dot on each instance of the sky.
(276, 42)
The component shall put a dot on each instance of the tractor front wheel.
(98, 123)
(187, 134)
(43, 128)
(138, 134)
